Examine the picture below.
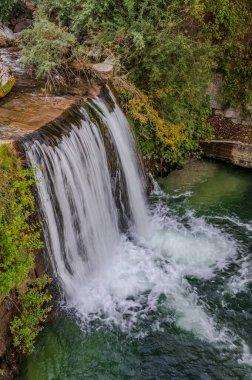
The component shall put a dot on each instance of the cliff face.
(9, 357)
(233, 152)
(7, 312)
(235, 115)
(7, 80)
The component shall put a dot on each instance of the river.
(175, 305)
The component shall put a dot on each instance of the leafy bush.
(34, 310)
(47, 48)
(149, 44)
(9, 9)
(19, 236)
(221, 19)
(227, 24)
(162, 143)
(145, 36)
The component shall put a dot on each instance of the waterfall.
(76, 190)
(119, 262)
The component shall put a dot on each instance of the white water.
(124, 293)
(119, 128)
(77, 203)
(106, 276)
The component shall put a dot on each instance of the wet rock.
(234, 152)
(7, 80)
(7, 37)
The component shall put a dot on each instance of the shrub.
(19, 236)
(227, 24)
(9, 10)
(34, 310)
(171, 70)
(47, 48)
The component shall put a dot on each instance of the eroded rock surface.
(104, 68)
(25, 113)
(234, 152)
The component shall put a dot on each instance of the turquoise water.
(179, 308)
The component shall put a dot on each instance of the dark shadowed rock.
(234, 152)
(22, 25)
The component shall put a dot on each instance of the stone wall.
(237, 153)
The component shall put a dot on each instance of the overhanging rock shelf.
(234, 152)
(26, 113)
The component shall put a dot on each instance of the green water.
(200, 325)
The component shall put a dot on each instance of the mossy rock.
(7, 37)
(7, 80)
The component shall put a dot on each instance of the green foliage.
(19, 236)
(227, 24)
(146, 42)
(221, 19)
(47, 48)
(34, 310)
(144, 36)
(236, 62)
(162, 143)
(9, 10)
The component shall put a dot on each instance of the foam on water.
(234, 220)
(146, 275)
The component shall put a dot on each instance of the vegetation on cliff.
(19, 240)
(34, 304)
(227, 25)
(164, 51)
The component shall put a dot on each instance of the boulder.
(7, 80)
(22, 25)
(105, 67)
(7, 37)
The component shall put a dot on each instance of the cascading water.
(114, 277)
(119, 128)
